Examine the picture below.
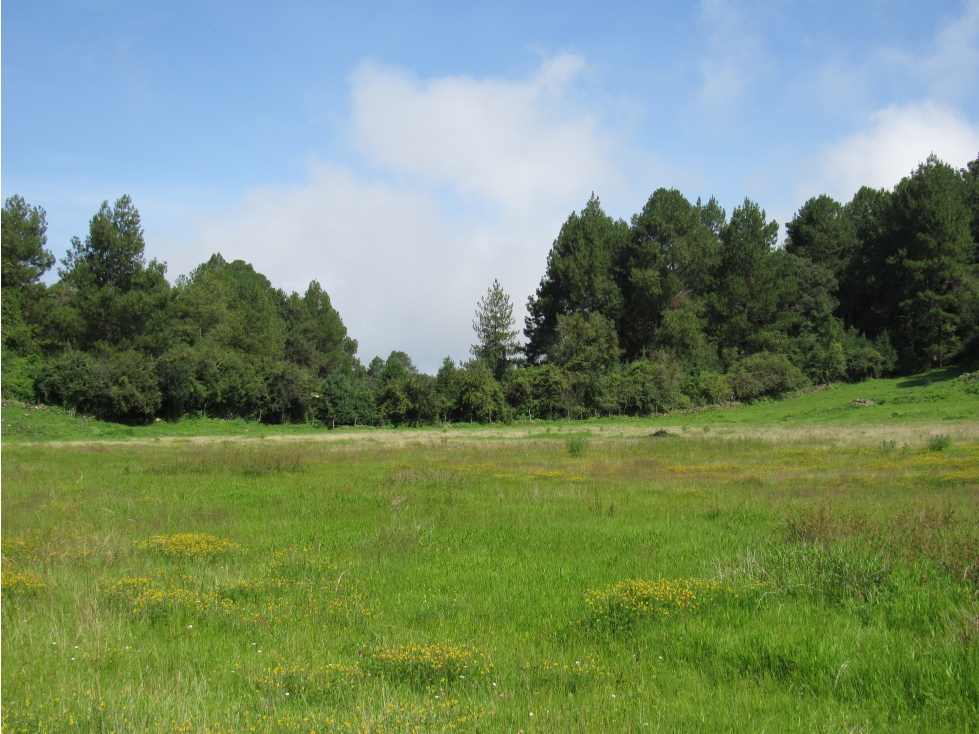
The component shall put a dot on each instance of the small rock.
(863, 402)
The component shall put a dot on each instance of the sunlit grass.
(689, 582)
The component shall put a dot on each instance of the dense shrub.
(708, 387)
(822, 357)
(337, 401)
(70, 380)
(177, 381)
(291, 393)
(117, 386)
(228, 383)
(657, 385)
(346, 402)
(128, 391)
(478, 396)
(406, 399)
(764, 375)
(537, 392)
(19, 375)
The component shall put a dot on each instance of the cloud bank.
(470, 181)
(894, 142)
(518, 145)
(464, 180)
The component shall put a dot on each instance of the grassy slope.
(866, 618)
(933, 397)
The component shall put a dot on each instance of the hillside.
(903, 409)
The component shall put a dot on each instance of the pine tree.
(494, 329)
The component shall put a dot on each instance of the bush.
(536, 392)
(19, 376)
(365, 405)
(118, 386)
(407, 399)
(824, 357)
(479, 396)
(127, 388)
(708, 388)
(868, 359)
(764, 375)
(656, 385)
(228, 383)
(291, 390)
(336, 405)
(178, 384)
(70, 380)
(939, 442)
(576, 445)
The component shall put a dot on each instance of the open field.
(802, 565)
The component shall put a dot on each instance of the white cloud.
(389, 263)
(945, 70)
(951, 70)
(515, 144)
(894, 142)
(735, 53)
(472, 181)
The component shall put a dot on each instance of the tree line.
(680, 307)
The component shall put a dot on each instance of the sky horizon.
(406, 155)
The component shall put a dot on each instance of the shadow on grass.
(929, 378)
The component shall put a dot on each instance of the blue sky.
(405, 154)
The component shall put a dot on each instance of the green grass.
(935, 396)
(730, 581)
(931, 397)
(28, 423)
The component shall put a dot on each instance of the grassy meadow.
(808, 565)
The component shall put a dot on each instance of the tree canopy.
(497, 339)
(681, 305)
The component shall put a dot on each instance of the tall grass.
(737, 585)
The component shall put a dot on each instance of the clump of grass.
(445, 479)
(913, 534)
(242, 462)
(158, 603)
(445, 714)
(821, 525)
(851, 554)
(57, 712)
(430, 664)
(621, 605)
(190, 545)
(128, 587)
(19, 547)
(20, 582)
(311, 682)
(938, 442)
(144, 598)
(833, 574)
(576, 445)
(297, 563)
(597, 508)
(570, 676)
(887, 447)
